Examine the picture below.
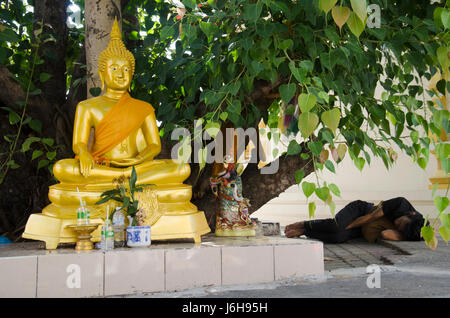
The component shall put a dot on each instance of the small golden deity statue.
(112, 133)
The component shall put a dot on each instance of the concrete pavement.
(407, 269)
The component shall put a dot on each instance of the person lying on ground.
(395, 219)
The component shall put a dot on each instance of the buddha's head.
(116, 63)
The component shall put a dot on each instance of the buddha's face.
(117, 74)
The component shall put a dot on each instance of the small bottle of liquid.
(81, 215)
(119, 227)
(107, 234)
(87, 213)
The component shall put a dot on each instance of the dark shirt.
(397, 207)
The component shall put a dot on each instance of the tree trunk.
(99, 17)
(53, 13)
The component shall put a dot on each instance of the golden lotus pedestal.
(83, 233)
(176, 218)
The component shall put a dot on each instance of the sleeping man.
(395, 219)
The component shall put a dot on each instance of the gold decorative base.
(54, 231)
(181, 226)
(232, 233)
(83, 233)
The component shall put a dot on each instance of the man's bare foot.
(295, 230)
(294, 233)
(298, 226)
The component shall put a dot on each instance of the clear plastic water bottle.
(107, 236)
(119, 227)
(81, 215)
(87, 211)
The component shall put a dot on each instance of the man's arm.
(392, 235)
(376, 214)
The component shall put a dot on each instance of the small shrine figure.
(232, 217)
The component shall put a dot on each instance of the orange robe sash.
(120, 121)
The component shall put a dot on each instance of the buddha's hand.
(86, 163)
(124, 162)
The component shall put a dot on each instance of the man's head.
(410, 225)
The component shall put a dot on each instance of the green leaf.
(95, 91)
(51, 155)
(234, 107)
(133, 179)
(359, 163)
(326, 5)
(168, 31)
(299, 74)
(44, 77)
(306, 102)
(329, 165)
(445, 233)
(299, 175)
(202, 153)
(287, 92)
(355, 24)
(441, 203)
(212, 128)
(13, 164)
(307, 65)
(445, 220)
(322, 193)
(445, 18)
(8, 35)
(334, 188)
(36, 153)
(48, 141)
(422, 162)
(27, 143)
(36, 92)
(294, 148)
(189, 4)
(442, 55)
(360, 8)
(286, 44)
(316, 147)
(307, 123)
(252, 12)
(43, 163)
(36, 125)
(427, 233)
(331, 119)
(308, 188)
(437, 15)
(14, 118)
(223, 116)
(209, 29)
(312, 209)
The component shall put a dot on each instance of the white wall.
(373, 184)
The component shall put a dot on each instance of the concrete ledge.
(28, 270)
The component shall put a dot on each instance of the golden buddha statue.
(112, 133)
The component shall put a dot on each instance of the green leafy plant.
(125, 194)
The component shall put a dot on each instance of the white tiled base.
(162, 267)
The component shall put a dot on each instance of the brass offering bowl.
(84, 236)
